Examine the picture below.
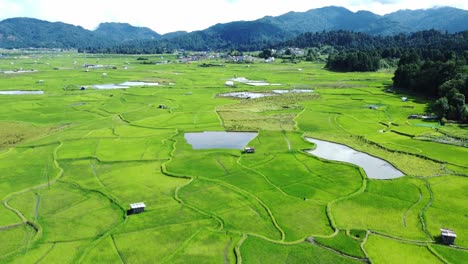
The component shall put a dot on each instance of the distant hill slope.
(322, 19)
(122, 32)
(173, 34)
(403, 21)
(245, 35)
(242, 35)
(30, 32)
(268, 31)
(443, 18)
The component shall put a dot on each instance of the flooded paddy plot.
(252, 82)
(254, 95)
(20, 92)
(293, 91)
(247, 95)
(123, 85)
(139, 84)
(219, 140)
(109, 86)
(375, 168)
(18, 71)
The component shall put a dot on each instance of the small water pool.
(375, 168)
(219, 140)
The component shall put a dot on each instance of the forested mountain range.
(404, 21)
(30, 32)
(122, 32)
(242, 35)
(345, 40)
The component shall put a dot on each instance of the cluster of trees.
(346, 40)
(452, 104)
(443, 77)
(354, 61)
(126, 49)
(430, 63)
(372, 60)
(362, 52)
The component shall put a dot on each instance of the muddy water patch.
(219, 140)
(375, 168)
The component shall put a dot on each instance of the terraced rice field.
(72, 161)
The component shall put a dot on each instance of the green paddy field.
(72, 160)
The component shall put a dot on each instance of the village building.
(249, 150)
(448, 236)
(136, 208)
(269, 60)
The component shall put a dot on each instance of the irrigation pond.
(219, 140)
(375, 168)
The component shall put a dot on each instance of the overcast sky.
(165, 16)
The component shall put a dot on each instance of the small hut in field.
(448, 236)
(136, 208)
(249, 150)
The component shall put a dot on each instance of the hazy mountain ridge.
(29, 32)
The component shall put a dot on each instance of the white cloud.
(189, 15)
